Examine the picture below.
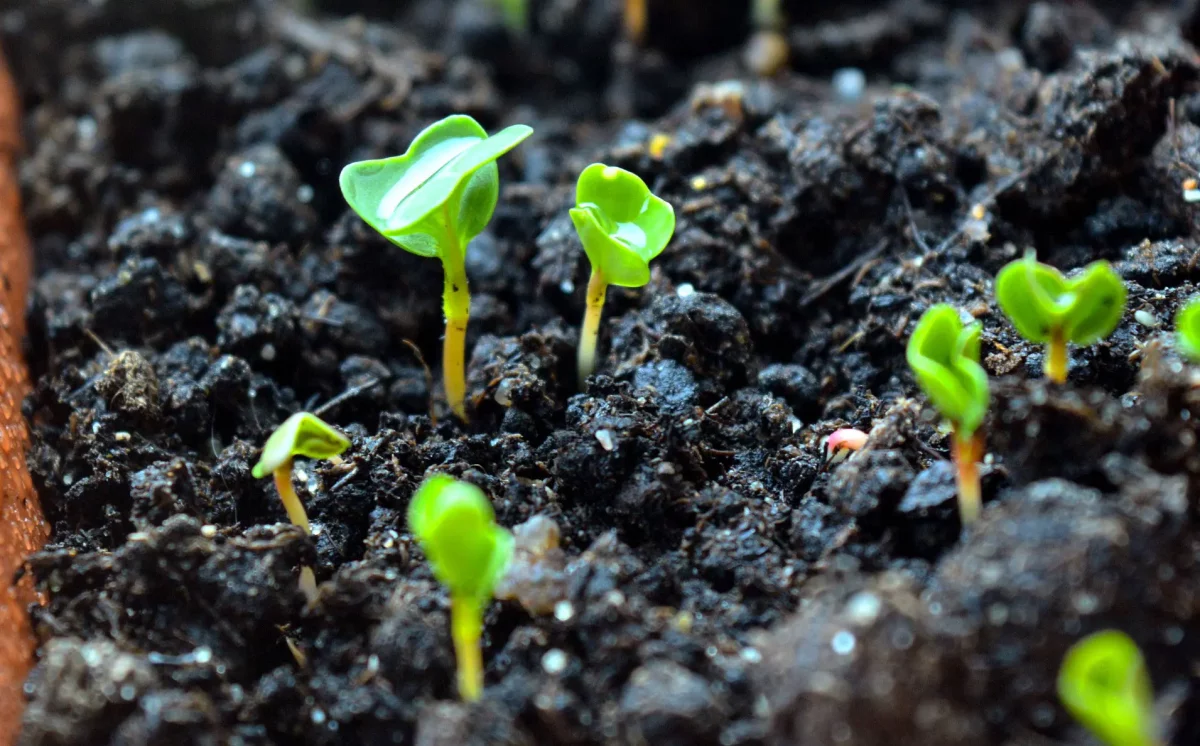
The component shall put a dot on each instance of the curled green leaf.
(944, 357)
(621, 224)
(456, 526)
(1104, 684)
(302, 434)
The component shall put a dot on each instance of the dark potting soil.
(200, 278)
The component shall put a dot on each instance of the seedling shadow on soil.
(707, 577)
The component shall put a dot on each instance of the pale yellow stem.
(1056, 358)
(456, 304)
(291, 502)
(589, 333)
(466, 629)
(967, 451)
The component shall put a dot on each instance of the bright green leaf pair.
(456, 526)
(622, 226)
(1104, 684)
(1187, 330)
(1049, 308)
(441, 193)
(944, 356)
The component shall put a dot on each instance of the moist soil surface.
(199, 278)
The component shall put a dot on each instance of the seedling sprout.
(432, 201)
(622, 226)
(944, 356)
(1187, 330)
(843, 442)
(1104, 684)
(305, 435)
(469, 554)
(1048, 308)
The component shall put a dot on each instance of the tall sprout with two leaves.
(622, 226)
(432, 201)
(1051, 309)
(944, 357)
(1187, 330)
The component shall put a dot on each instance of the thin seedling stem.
(590, 332)
(967, 451)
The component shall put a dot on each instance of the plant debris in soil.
(691, 570)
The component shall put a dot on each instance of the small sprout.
(622, 226)
(767, 51)
(841, 443)
(1048, 308)
(469, 555)
(432, 201)
(1187, 330)
(308, 436)
(1104, 684)
(944, 356)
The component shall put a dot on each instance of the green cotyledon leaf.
(302, 434)
(944, 357)
(1187, 330)
(1104, 684)
(621, 224)
(455, 524)
(445, 185)
(1041, 302)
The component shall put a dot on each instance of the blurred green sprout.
(622, 226)
(431, 202)
(469, 554)
(1187, 330)
(1051, 309)
(308, 436)
(1104, 684)
(944, 357)
(515, 14)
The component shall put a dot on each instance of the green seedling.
(1048, 308)
(469, 555)
(622, 226)
(432, 201)
(944, 356)
(1187, 330)
(305, 435)
(1104, 684)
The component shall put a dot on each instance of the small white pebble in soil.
(1191, 195)
(607, 442)
(614, 598)
(87, 128)
(554, 661)
(304, 193)
(849, 84)
(976, 231)
(208, 531)
(563, 611)
(202, 655)
(843, 642)
(247, 169)
(503, 395)
(128, 692)
(751, 655)
(267, 353)
(68, 479)
(1085, 603)
(318, 716)
(685, 290)
(121, 436)
(1173, 635)
(902, 638)
(1145, 318)
(567, 287)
